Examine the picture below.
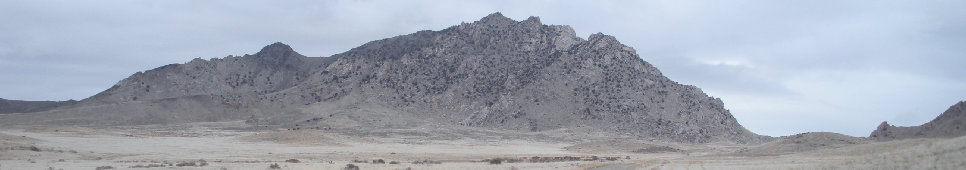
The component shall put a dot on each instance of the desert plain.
(235, 145)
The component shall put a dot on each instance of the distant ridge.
(20, 106)
(951, 123)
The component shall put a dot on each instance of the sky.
(781, 67)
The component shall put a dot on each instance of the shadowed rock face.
(951, 123)
(493, 73)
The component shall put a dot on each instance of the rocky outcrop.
(525, 76)
(951, 123)
(494, 73)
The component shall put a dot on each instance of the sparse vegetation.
(350, 167)
(656, 149)
(147, 166)
(198, 163)
(427, 162)
(495, 161)
(185, 164)
(537, 159)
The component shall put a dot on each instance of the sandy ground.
(218, 148)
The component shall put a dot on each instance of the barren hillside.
(495, 73)
(951, 123)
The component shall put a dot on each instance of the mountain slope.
(495, 73)
(274, 68)
(951, 123)
(501, 73)
(20, 106)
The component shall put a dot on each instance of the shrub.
(496, 161)
(512, 160)
(393, 162)
(350, 167)
(147, 166)
(104, 167)
(292, 161)
(427, 162)
(378, 161)
(186, 164)
(656, 149)
(34, 148)
(274, 166)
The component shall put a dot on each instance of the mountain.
(951, 123)
(200, 90)
(20, 106)
(495, 73)
(275, 67)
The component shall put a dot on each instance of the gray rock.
(951, 123)
(494, 73)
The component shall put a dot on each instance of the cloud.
(781, 67)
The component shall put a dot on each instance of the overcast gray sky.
(781, 67)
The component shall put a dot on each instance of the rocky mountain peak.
(276, 49)
(494, 73)
(603, 39)
(495, 19)
(505, 74)
(954, 112)
(532, 21)
(278, 54)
